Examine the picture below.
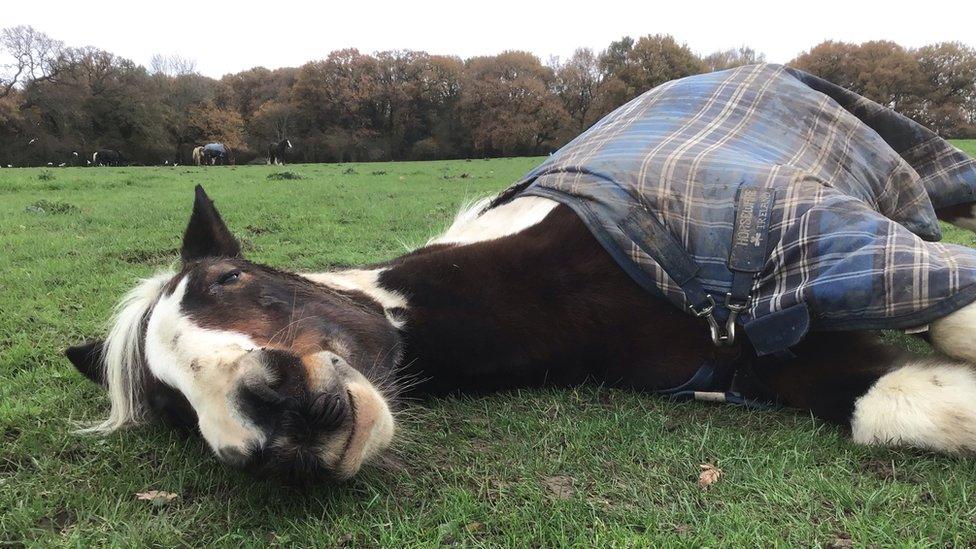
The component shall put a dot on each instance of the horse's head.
(277, 372)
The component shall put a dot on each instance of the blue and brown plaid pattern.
(852, 232)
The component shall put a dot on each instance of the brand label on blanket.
(753, 208)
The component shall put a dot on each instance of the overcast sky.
(225, 36)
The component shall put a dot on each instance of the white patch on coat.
(922, 405)
(205, 366)
(363, 280)
(367, 282)
(473, 224)
(955, 334)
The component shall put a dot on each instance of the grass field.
(581, 467)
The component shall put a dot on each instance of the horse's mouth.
(338, 454)
(371, 431)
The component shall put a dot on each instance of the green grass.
(474, 471)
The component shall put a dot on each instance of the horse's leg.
(887, 397)
(955, 334)
(961, 215)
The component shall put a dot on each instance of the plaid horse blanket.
(774, 197)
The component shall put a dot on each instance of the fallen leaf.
(474, 527)
(710, 474)
(156, 497)
(559, 486)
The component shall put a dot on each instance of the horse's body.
(197, 155)
(215, 154)
(277, 152)
(294, 372)
(106, 157)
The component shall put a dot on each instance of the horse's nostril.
(265, 393)
(328, 410)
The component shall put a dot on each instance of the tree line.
(396, 105)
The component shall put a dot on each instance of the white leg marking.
(955, 335)
(924, 405)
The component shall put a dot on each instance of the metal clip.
(735, 309)
(707, 313)
(721, 337)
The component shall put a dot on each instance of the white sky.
(230, 36)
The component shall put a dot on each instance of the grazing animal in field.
(277, 152)
(106, 157)
(710, 252)
(215, 154)
(198, 155)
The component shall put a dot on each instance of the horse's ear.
(89, 359)
(206, 235)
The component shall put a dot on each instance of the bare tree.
(735, 57)
(27, 55)
(172, 65)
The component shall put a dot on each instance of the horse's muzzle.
(306, 428)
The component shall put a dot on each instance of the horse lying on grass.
(556, 282)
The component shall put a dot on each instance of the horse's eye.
(229, 277)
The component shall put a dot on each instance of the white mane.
(475, 224)
(123, 369)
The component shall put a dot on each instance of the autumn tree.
(630, 68)
(576, 83)
(949, 94)
(506, 105)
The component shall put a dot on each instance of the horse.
(106, 157)
(215, 154)
(299, 374)
(276, 152)
(198, 155)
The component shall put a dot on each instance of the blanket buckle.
(708, 313)
(735, 309)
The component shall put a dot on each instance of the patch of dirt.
(842, 541)
(151, 257)
(57, 522)
(558, 487)
(879, 468)
(11, 433)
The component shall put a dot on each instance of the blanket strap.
(747, 255)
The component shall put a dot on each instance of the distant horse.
(215, 154)
(106, 157)
(575, 274)
(276, 152)
(198, 155)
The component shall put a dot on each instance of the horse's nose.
(278, 393)
(273, 376)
